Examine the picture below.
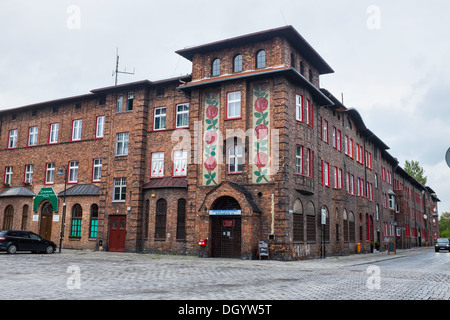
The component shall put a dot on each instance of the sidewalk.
(362, 258)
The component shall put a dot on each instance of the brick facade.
(165, 152)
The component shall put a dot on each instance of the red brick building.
(247, 148)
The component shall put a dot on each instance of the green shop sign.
(46, 194)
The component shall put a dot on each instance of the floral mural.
(211, 142)
(261, 141)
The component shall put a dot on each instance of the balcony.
(304, 184)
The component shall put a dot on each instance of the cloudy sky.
(391, 58)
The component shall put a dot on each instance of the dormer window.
(261, 59)
(215, 68)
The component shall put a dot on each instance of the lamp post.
(61, 234)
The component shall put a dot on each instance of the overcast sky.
(391, 58)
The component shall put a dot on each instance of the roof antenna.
(281, 11)
(116, 72)
(342, 97)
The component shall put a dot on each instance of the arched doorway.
(45, 230)
(225, 228)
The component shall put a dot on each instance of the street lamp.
(61, 234)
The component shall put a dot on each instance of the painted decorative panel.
(211, 139)
(261, 134)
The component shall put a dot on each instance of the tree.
(414, 169)
(444, 225)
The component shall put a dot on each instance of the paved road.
(416, 274)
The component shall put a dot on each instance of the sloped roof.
(82, 190)
(166, 182)
(17, 192)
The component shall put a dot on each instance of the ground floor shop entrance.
(117, 233)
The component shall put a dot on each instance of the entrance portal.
(45, 230)
(226, 228)
(117, 233)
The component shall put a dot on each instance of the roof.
(166, 182)
(82, 190)
(17, 192)
(287, 32)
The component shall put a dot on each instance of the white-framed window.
(50, 173)
(325, 174)
(180, 163)
(182, 115)
(12, 140)
(100, 127)
(159, 121)
(32, 136)
(8, 175)
(76, 129)
(234, 105)
(122, 144)
(73, 172)
(97, 170)
(324, 130)
(54, 132)
(299, 160)
(391, 201)
(120, 189)
(119, 104)
(309, 113)
(28, 177)
(130, 101)
(157, 164)
(299, 107)
(237, 65)
(338, 178)
(235, 159)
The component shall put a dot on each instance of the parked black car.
(442, 244)
(12, 241)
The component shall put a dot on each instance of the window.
(122, 144)
(180, 163)
(337, 139)
(50, 173)
(391, 198)
(309, 112)
(299, 108)
(157, 164)
(182, 115)
(100, 127)
(237, 65)
(28, 178)
(310, 222)
(235, 159)
(297, 216)
(181, 219)
(77, 216)
(324, 132)
(160, 119)
(215, 67)
(119, 103)
(308, 165)
(338, 178)
(73, 172)
(32, 136)
(76, 130)
(261, 59)
(120, 189)
(351, 184)
(234, 105)
(299, 160)
(93, 227)
(97, 170)
(160, 223)
(24, 217)
(130, 101)
(12, 140)
(325, 174)
(8, 175)
(54, 132)
(8, 218)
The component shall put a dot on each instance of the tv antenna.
(116, 72)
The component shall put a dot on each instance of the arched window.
(345, 218)
(215, 70)
(310, 222)
(8, 218)
(326, 230)
(298, 221)
(261, 59)
(160, 224)
(237, 63)
(77, 217)
(351, 227)
(181, 219)
(94, 221)
(24, 217)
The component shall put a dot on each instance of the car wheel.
(49, 250)
(436, 250)
(12, 249)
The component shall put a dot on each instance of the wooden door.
(117, 233)
(45, 230)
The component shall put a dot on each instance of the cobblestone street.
(415, 274)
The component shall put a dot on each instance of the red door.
(117, 233)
